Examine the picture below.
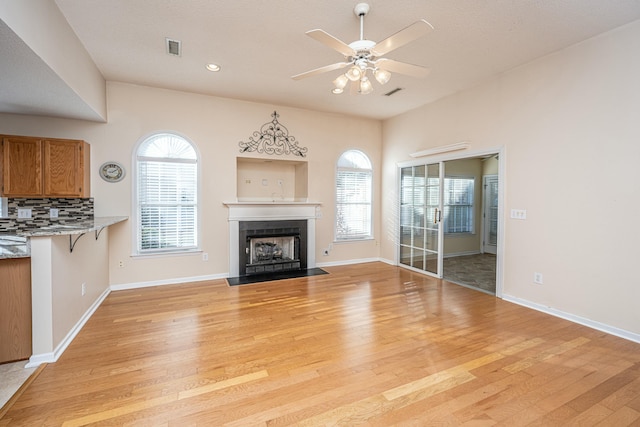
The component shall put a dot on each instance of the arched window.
(166, 194)
(353, 196)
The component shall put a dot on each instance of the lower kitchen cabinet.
(15, 309)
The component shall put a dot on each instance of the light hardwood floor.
(366, 344)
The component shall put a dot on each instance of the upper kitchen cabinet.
(44, 167)
(66, 168)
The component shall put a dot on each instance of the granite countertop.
(15, 244)
(12, 246)
(71, 227)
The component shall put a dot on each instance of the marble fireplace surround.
(270, 211)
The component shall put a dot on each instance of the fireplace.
(270, 214)
(272, 246)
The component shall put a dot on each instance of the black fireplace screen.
(272, 246)
(272, 250)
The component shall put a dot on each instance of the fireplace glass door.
(272, 249)
(273, 254)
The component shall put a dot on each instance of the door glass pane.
(406, 234)
(406, 215)
(405, 255)
(431, 240)
(493, 212)
(419, 240)
(431, 262)
(418, 216)
(417, 259)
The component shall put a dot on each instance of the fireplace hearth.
(272, 246)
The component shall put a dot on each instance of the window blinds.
(353, 204)
(458, 205)
(167, 202)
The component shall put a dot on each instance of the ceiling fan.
(366, 55)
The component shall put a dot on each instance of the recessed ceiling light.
(213, 67)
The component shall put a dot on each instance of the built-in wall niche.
(266, 180)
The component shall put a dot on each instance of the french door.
(421, 217)
(490, 214)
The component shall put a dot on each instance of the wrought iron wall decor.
(273, 138)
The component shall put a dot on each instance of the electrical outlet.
(84, 289)
(120, 264)
(519, 213)
(53, 213)
(24, 212)
(205, 256)
(537, 278)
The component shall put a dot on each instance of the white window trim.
(134, 201)
(372, 204)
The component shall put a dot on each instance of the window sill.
(363, 239)
(188, 252)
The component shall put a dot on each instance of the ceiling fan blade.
(402, 37)
(320, 70)
(328, 40)
(402, 68)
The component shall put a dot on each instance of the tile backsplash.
(69, 209)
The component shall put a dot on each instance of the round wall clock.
(112, 171)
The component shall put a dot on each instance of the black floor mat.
(257, 278)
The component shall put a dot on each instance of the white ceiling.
(261, 44)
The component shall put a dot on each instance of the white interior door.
(421, 217)
(490, 214)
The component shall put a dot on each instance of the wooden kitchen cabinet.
(44, 167)
(15, 309)
(22, 167)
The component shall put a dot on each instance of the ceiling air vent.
(174, 47)
(391, 92)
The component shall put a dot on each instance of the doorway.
(449, 220)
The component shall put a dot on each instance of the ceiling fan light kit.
(364, 55)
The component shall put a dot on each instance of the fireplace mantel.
(270, 211)
(261, 210)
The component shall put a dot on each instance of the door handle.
(437, 216)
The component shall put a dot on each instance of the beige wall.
(42, 27)
(57, 276)
(215, 126)
(569, 127)
(88, 264)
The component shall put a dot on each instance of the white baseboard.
(628, 335)
(348, 262)
(37, 359)
(136, 285)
